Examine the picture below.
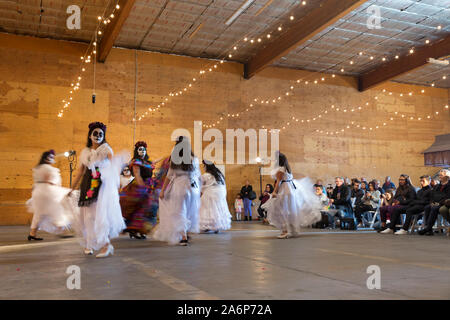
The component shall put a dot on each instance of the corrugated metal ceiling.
(197, 28)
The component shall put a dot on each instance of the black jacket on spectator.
(405, 196)
(358, 194)
(245, 191)
(423, 197)
(344, 198)
(440, 193)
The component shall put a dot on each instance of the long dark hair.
(136, 153)
(44, 157)
(212, 169)
(271, 187)
(283, 162)
(178, 152)
(403, 190)
(92, 127)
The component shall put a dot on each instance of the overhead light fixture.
(239, 11)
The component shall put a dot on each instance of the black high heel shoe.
(133, 235)
(34, 238)
(143, 236)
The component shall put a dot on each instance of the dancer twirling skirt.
(180, 196)
(135, 199)
(293, 203)
(49, 203)
(214, 212)
(100, 216)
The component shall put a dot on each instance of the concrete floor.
(247, 262)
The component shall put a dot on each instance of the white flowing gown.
(214, 212)
(102, 220)
(51, 208)
(295, 206)
(179, 209)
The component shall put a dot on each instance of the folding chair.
(374, 217)
(441, 225)
(414, 224)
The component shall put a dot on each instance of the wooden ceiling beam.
(404, 64)
(314, 22)
(113, 29)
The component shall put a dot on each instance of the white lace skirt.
(294, 207)
(214, 213)
(102, 220)
(178, 211)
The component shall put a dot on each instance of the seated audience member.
(415, 207)
(347, 182)
(322, 197)
(341, 197)
(434, 182)
(445, 210)
(387, 198)
(320, 182)
(369, 202)
(364, 186)
(263, 198)
(329, 191)
(388, 184)
(357, 192)
(404, 194)
(377, 186)
(439, 194)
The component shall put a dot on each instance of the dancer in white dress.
(49, 200)
(214, 212)
(180, 196)
(293, 203)
(100, 217)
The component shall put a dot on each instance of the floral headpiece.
(95, 125)
(140, 144)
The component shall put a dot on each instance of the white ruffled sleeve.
(92, 158)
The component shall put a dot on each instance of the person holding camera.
(263, 198)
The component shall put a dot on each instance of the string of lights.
(306, 81)
(212, 66)
(91, 50)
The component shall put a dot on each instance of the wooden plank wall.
(35, 75)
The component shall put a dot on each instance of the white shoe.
(109, 251)
(387, 231)
(88, 252)
(284, 236)
(401, 231)
(360, 225)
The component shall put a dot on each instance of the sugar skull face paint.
(97, 136)
(51, 159)
(142, 152)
